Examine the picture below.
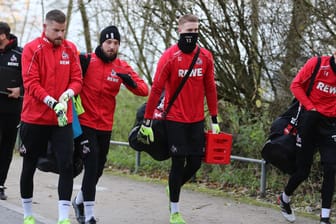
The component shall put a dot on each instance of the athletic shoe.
(79, 211)
(64, 221)
(29, 220)
(286, 210)
(325, 221)
(176, 218)
(91, 221)
(2, 193)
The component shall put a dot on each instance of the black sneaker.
(286, 210)
(325, 221)
(3, 196)
(91, 221)
(79, 211)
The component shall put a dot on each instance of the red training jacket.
(48, 70)
(100, 87)
(323, 94)
(189, 105)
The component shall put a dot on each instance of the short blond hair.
(187, 18)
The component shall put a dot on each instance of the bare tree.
(86, 25)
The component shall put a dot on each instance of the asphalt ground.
(124, 200)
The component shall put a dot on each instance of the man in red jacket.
(316, 129)
(102, 81)
(185, 120)
(51, 75)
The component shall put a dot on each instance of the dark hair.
(56, 15)
(4, 28)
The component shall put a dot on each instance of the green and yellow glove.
(60, 110)
(214, 125)
(145, 134)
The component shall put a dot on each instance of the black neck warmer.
(100, 54)
(187, 42)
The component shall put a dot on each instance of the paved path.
(121, 200)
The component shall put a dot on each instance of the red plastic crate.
(217, 148)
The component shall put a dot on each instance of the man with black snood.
(316, 129)
(185, 121)
(10, 100)
(102, 81)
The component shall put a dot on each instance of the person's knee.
(302, 174)
(329, 169)
(195, 164)
(66, 167)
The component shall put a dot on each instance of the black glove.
(127, 80)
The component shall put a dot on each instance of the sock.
(285, 197)
(325, 212)
(174, 207)
(88, 210)
(63, 209)
(27, 204)
(79, 198)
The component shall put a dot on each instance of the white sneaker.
(286, 210)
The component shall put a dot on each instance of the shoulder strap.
(84, 61)
(310, 87)
(312, 79)
(184, 79)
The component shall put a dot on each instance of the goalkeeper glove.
(127, 79)
(64, 98)
(214, 125)
(145, 134)
(59, 108)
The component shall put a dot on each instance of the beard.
(57, 42)
(111, 55)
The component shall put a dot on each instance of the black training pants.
(94, 160)
(8, 133)
(35, 139)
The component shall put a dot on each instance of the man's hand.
(145, 134)
(60, 110)
(64, 98)
(14, 92)
(127, 79)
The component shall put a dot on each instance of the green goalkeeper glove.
(145, 133)
(60, 110)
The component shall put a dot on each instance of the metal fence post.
(239, 158)
(263, 179)
(137, 161)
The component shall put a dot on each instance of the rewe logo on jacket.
(112, 77)
(326, 88)
(65, 59)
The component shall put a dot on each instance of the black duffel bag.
(48, 162)
(158, 149)
(280, 148)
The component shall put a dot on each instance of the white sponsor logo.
(64, 62)
(326, 88)
(197, 72)
(16, 64)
